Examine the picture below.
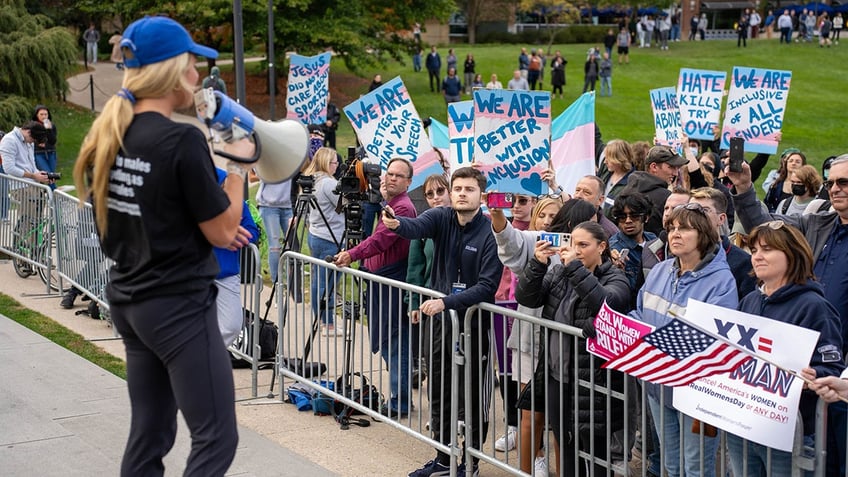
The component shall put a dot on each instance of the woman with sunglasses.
(698, 270)
(419, 266)
(571, 292)
(783, 264)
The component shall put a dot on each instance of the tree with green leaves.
(36, 59)
(552, 12)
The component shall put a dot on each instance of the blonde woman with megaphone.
(159, 211)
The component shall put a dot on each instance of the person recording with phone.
(159, 211)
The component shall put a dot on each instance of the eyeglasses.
(431, 194)
(521, 201)
(842, 183)
(774, 224)
(632, 216)
(333, 162)
(693, 206)
(548, 196)
(392, 175)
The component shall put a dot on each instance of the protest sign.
(615, 333)
(666, 117)
(756, 105)
(757, 401)
(512, 139)
(461, 132)
(699, 95)
(573, 142)
(387, 124)
(308, 90)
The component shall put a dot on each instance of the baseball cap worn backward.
(154, 39)
(665, 154)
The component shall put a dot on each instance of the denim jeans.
(666, 420)
(757, 459)
(276, 221)
(46, 161)
(369, 215)
(323, 284)
(606, 85)
(395, 353)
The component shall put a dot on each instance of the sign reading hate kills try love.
(699, 96)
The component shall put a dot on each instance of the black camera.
(54, 176)
(359, 180)
(306, 183)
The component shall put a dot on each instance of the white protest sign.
(308, 88)
(666, 117)
(512, 139)
(699, 95)
(756, 105)
(757, 401)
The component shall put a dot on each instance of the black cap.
(661, 154)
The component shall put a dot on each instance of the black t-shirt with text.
(163, 184)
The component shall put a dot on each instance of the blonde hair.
(105, 139)
(321, 161)
(540, 206)
(619, 152)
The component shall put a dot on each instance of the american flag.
(677, 354)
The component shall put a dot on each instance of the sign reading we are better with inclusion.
(512, 139)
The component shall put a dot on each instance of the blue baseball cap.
(154, 39)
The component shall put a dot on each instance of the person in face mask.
(805, 183)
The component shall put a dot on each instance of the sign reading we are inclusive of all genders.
(308, 88)
(699, 97)
(512, 139)
(756, 106)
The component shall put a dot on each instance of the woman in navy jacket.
(783, 265)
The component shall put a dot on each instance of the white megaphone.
(281, 146)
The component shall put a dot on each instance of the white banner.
(758, 401)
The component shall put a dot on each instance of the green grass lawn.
(814, 107)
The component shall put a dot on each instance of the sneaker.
(506, 442)
(460, 470)
(434, 468)
(540, 467)
(393, 413)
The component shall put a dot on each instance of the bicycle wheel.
(51, 275)
(22, 267)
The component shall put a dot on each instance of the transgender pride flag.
(573, 142)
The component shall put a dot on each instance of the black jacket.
(572, 295)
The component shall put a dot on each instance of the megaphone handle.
(244, 160)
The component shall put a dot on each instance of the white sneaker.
(506, 442)
(540, 467)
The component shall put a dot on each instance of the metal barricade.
(613, 432)
(27, 228)
(80, 260)
(246, 347)
(359, 347)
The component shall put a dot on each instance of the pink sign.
(615, 333)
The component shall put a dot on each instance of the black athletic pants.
(177, 360)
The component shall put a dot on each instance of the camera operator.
(326, 228)
(385, 254)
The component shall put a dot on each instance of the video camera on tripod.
(359, 182)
